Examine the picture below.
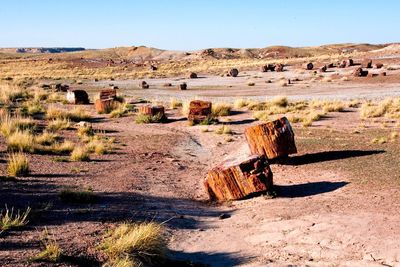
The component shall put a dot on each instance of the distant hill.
(41, 50)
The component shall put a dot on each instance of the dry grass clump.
(51, 252)
(56, 98)
(379, 140)
(32, 108)
(77, 114)
(10, 93)
(335, 106)
(135, 245)
(59, 148)
(10, 124)
(80, 154)
(261, 115)
(11, 221)
(120, 111)
(280, 101)
(46, 138)
(283, 83)
(98, 146)
(175, 103)
(240, 103)
(17, 165)
(58, 124)
(388, 107)
(185, 108)
(143, 118)
(221, 109)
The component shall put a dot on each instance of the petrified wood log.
(378, 65)
(367, 63)
(349, 62)
(271, 67)
(323, 68)
(279, 67)
(383, 73)
(108, 94)
(233, 73)
(199, 111)
(237, 179)
(104, 105)
(331, 65)
(152, 110)
(309, 66)
(359, 72)
(264, 68)
(77, 97)
(342, 64)
(193, 75)
(274, 139)
(182, 86)
(153, 68)
(144, 85)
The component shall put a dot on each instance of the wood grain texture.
(199, 111)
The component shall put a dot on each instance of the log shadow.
(308, 189)
(245, 121)
(325, 156)
(183, 259)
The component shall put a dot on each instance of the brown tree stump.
(77, 97)
(309, 66)
(199, 111)
(105, 105)
(240, 178)
(274, 139)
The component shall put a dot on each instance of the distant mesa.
(46, 50)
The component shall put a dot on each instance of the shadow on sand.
(308, 189)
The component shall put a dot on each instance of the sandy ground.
(324, 215)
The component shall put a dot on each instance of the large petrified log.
(378, 65)
(324, 68)
(105, 105)
(78, 97)
(279, 67)
(182, 86)
(349, 62)
(199, 111)
(239, 178)
(274, 139)
(108, 94)
(233, 73)
(193, 75)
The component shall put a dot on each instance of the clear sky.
(195, 24)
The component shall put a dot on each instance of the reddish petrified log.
(271, 67)
(105, 105)
(349, 62)
(383, 73)
(274, 139)
(233, 73)
(331, 65)
(342, 64)
(78, 97)
(359, 72)
(193, 75)
(367, 63)
(108, 94)
(199, 111)
(264, 68)
(308, 66)
(239, 178)
(150, 110)
(378, 65)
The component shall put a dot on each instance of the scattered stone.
(323, 68)
(367, 63)
(182, 86)
(144, 85)
(359, 72)
(274, 139)
(58, 87)
(383, 73)
(153, 68)
(193, 75)
(167, 84)
(378, 65)
(309, 66)
(224, 216)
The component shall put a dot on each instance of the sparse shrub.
(280, 101)
(11, 221)
(135, 245)
(221, 109)
(240, 103)
(97, 146)
(84, 131)
(9, 124)
(18, 165)
(46, 138)
(78, 196)
(10, 93)
(80, 154)
(51, 252)
(142, 118)
(58, 124)
(119, 111)
(261, 115)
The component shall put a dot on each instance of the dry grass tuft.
(221, 109)
(175, 103)
(224, 130)
(80, 154)
(22, 141)
(18, 165)
(11, 221)
(135, 245)
(59, 124)
(240, 103)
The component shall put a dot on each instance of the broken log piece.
(239, 178)
(192, 75)
(182, 86)
(144, 85)
(378, 65)
(233, 73)
(274, 139)
(323, 69)
(152, 110)
(264, 68)
(105, 105)
(199, 111)
(279, 67)
(359, 72)
(77, 97)
(349, 62)
(108, 94)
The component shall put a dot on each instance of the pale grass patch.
(58, 124)
(240, 103)
(22, 141)
(175, 103)
(224, 130)
(17, 164)
(80, 154)
(221, 109)
(10, 220)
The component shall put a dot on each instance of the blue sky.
(189, 25)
